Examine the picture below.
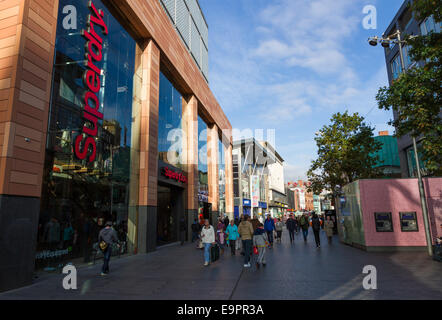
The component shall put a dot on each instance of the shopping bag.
(255, 250)
(214, 253)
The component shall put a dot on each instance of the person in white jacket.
(208, 238)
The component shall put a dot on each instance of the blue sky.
(289, 65)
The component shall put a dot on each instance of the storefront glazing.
(87, 172)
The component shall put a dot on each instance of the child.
(260, 241)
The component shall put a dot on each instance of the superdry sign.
(174, 175)
(96, 28)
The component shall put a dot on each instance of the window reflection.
(78, 196)
(170, 147)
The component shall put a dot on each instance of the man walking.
(106, 238)
(269, 226)
(316, 226)
(304, 226)
(246, 231)
(291, 227)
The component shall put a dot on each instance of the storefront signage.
(51, 254)
(92, 82)
(246, 202)
(170, 174)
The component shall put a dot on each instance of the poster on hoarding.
(254, 184)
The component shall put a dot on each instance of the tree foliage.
(345, 154)
(415, 96)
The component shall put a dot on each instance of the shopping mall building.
(105, 115)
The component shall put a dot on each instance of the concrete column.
(27, 40)
(146, 223)
(229, 183)
(190, 156)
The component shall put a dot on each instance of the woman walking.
(233, 236)
(208, 239)
(328, 226)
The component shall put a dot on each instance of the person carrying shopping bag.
(260, 241)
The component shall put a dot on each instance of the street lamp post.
(386, 42)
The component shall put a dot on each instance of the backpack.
(316, 224)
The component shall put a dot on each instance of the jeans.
(279, 235)
(194, 236)
(317, 240)
(207, 247)
(270, 236)
(247, 245)
(305, 234)
(232, 244)
(106, 258)
(292, 235)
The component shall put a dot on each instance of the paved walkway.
(298, 271)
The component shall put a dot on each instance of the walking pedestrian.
(226, 222)
(233, 236)
(316, 227)
(245, 230)
(303, 222)
(106, 238)
(260, 241)
(328, 226)
(291, 227)
(195, 230)
(182, 230)
(269, 227)
(208, 239)
(220, 235)
(278, 227)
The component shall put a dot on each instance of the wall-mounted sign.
(170, 174)
(254, 192)
(383, 222)
(92, 82)
(408, 221)
(246, 202)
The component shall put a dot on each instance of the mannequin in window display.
(68, 235)
(52, 233)
(86, 236)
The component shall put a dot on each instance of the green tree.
(415, 96)
(345, 154)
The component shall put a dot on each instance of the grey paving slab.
(293, 271)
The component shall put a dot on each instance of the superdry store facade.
(105, 116)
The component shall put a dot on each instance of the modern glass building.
(106, 116)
